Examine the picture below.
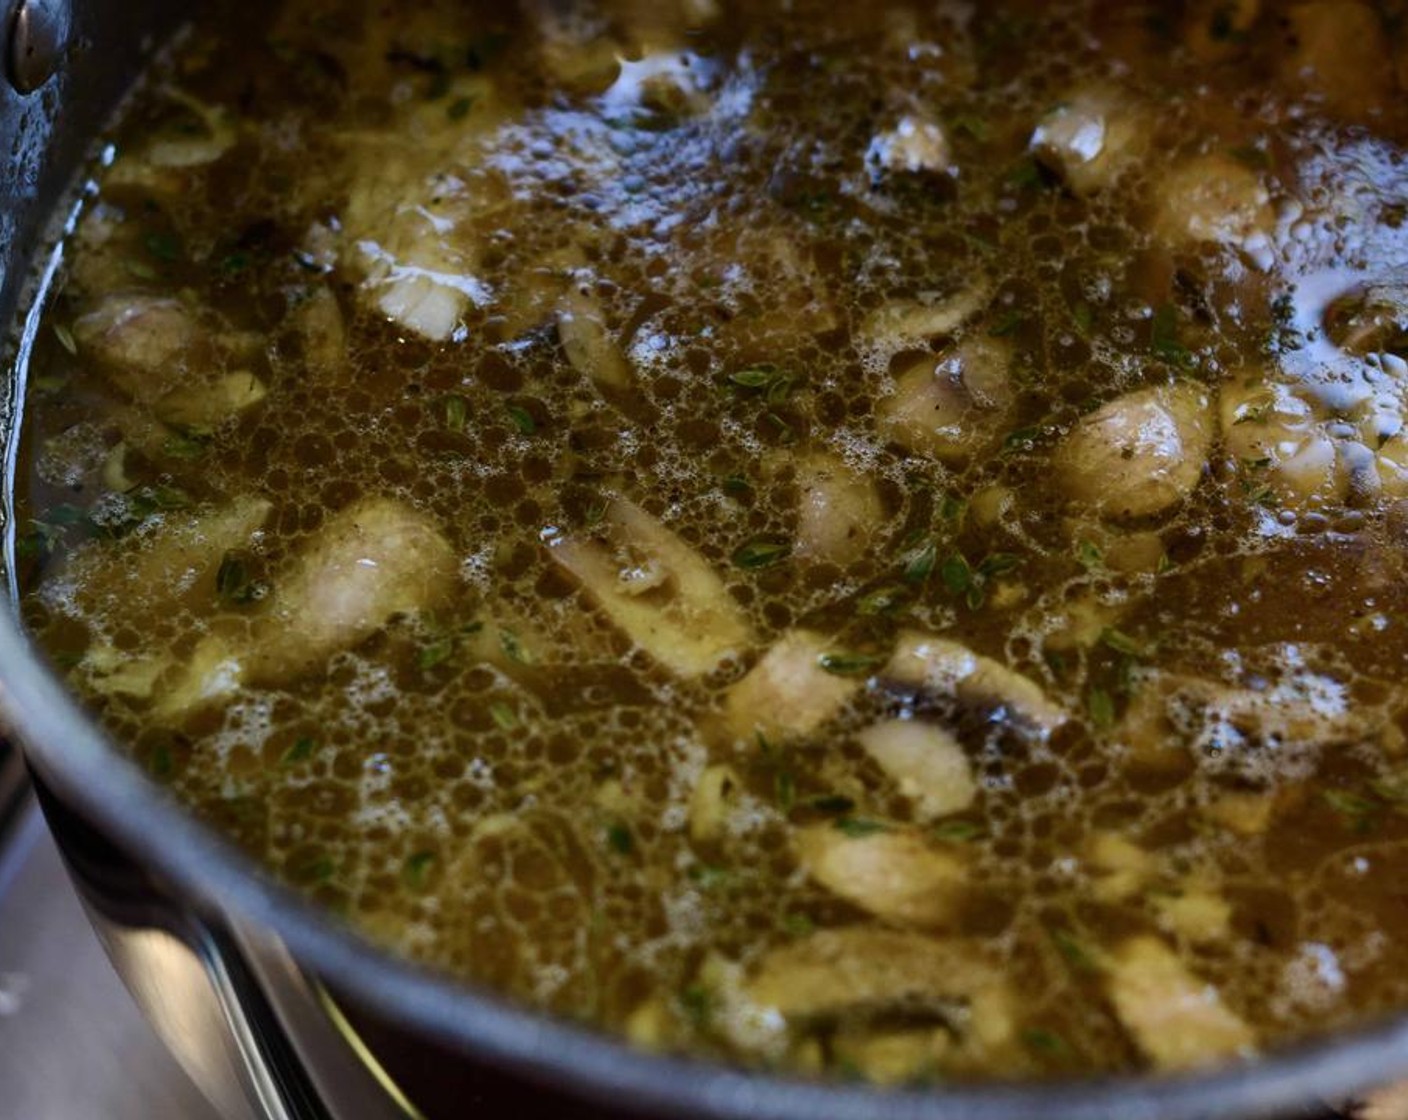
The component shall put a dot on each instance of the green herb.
(1165, 564)
(1089, 555)
(849, 664)
(1077, 954)
(736, 484)
(160, 763)
(1102, 708)
(1163, 337)
(857, 827)
(40, 542)
(957, 832)
(503, 715)
(418, 867)
(150, 499)
(831, 803)
(696, 1004)
(785, 432)
(1022, 439)
(459, 108)
(513, 648)
(180, 446)
(1258, 493)
(1392, 788)
(708, 877)
(920, 563)
(757, 377)
(784, 788)
(456, 412)
(301, 751)
(1026, 174)
(1007, 324)
(996, 564)
(1255, 158)
(436, 652)
(882, 600)
(522, 420)
(956, 574)
(1044, 1041)
(438, 87)
(233, 584)
(1121, 642)
(140, 270)
(761, 553)
(234, 263)
(64, 514)
(163, 246)
(1083, 316)
(951, 509)
(798, 925)
(1359, 813)
(65, 337)
(975, 127)
(619, 839)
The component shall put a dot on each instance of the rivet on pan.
(38, 33)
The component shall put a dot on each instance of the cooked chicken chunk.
(1091, 138)
(787, 693)
(925, 761)
(376, 559)
(894, 874)
(1176, 1019)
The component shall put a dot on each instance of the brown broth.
(500, 784)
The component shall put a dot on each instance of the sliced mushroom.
(682, 615)
(838, 513)
(923, 661)
(1138, 455)
(894, 874)
(952, 406)
(589, 346)
(787, 694)
(1177, 1020)
(926, 762)
(901, 324)
(864, 973)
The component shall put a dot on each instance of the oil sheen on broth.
(863, 540)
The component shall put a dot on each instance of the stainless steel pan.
(257, 990)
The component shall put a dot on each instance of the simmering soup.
(861, 539)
